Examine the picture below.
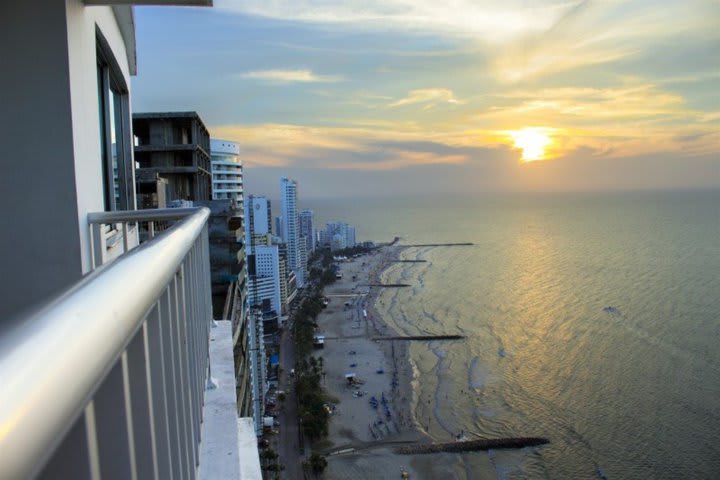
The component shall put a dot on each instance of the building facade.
(306, 229)
(258, 218)
(176, 146)
(72, 83)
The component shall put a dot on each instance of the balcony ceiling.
(185, 3)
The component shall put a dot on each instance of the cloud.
(343, 148)
(429, 96)
(636, 102)
(596, 33)
(492, 21)
(290, 76)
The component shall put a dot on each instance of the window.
(115, 134)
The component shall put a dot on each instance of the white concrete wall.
(82, 55)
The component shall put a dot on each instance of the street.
(288, 438)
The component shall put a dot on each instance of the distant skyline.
(396, 96)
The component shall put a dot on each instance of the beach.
(371, 379)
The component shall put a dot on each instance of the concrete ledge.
(226, 449)
(248, 451)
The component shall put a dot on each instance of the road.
(288, 448)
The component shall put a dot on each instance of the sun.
(533, 141)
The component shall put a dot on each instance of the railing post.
(98, 244)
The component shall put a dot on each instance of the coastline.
(357, 447)
(397, 352)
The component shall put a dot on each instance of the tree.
(317, 463)
(269, 455)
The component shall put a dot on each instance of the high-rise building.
(278, 226)
(257, 218)
(227, 172)
(265, 278)
(303, 257)
(289, 286)
(306, 229)
(338, 235)
(350, 236)
(290, 227)
(258, 369)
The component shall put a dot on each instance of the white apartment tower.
(291, 228)
(227, 175)
(257, 219)
(265, 284)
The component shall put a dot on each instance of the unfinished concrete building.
(176, 147)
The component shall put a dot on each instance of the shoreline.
(399, 352)
(361, 444)
(383, 367)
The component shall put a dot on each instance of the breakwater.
(472, 445)
(461, 244)
(385, 285)
(422, 337)
(409, 261)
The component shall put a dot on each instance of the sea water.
(591, 319)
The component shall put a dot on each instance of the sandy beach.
(362, 435)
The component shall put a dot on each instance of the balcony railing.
(107, 379)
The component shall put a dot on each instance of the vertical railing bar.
(128, 407)
(182, 362)
(205, 282)
(188, 392)
(179, 374)
(201, 371)
(163, 437)
(197, 385)
(199, 323)
(151, 400)
(91, 434)
(174, 421)
(151, 229)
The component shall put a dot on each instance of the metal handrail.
(54, 359)
(142, 215)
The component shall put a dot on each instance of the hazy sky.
(410, 96)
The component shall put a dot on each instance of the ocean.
(591, 319)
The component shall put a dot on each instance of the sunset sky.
(419, 96)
